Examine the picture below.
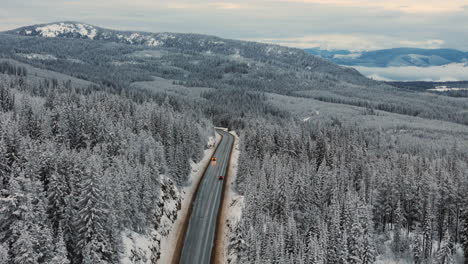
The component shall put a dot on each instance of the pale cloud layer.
(446, 73)
(351, 42)
(332, 24)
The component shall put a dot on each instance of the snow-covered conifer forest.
(98, 130)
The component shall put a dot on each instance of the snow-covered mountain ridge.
(54, 30)
(198, 43)
(86, 31)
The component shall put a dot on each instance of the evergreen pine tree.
(22, 249)
(4, 258)
(444, 254)
(92, 214)
(427, 233)
(56, 199)
(398, 215)
(464, 232)
(60, 252)
(417, 247)
(355, 242)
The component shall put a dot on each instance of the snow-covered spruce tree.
(4, 258)
(22, 249)
(417, 247)
(369, 252)
(41, 232)
(444, 254)
(397, 222)
(22, 242)
(92, 215)
(237, 245)
(7, 98)
(4, 167)
(29, 124)
(56, 198)
(334, 232)
(320, 150)
(355, 242)
(92, 253)
(427, 232)
(464, 232)
(60, 251)
(343, 246)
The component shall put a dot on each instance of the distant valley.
(403, 64)
(398, 57)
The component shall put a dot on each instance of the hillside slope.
(188, 42)
(121, 58)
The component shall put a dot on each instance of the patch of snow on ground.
(54, 30)
(217, 42)
(35, 56)
(449, 72)
(51, 31)
(444, 88)
(134, 35)
(236, 54)
(387, 255)
(236, 201)
(120, 63)
(459, 254)
(75, 61)
(82, 30)
(154, 43)
(165, 36)
(91, 33)
(170, 208)
(309, 117)
(137, 248)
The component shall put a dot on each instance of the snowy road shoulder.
(234, 203)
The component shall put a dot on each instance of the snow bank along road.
(199, 238)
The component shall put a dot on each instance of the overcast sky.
(332, 24)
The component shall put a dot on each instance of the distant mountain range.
(398, 57)
(209, 45)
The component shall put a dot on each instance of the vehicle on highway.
(221, 177)
(213, 159)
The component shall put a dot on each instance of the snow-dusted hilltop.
(85, 31)
(61, 29)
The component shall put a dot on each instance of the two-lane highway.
(199, 238)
